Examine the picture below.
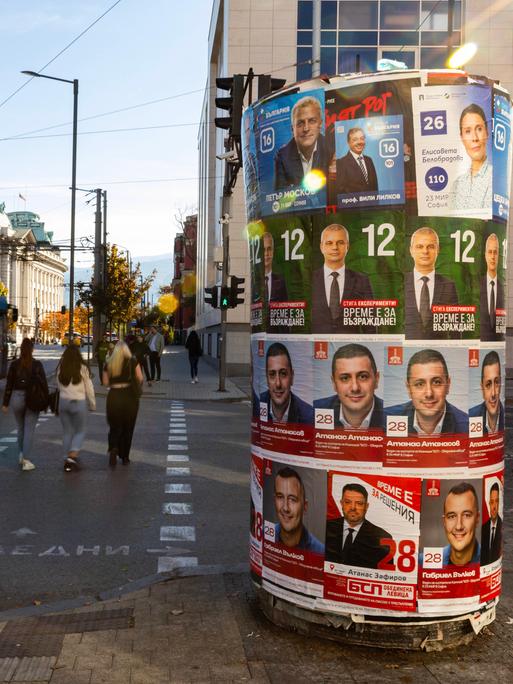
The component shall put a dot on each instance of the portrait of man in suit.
(283, 406)
(428, 384)
(275, 286)
(352, 539)
(355, 379)
(491, 531)
(492, 291)
(306, 151)
(291, 504)
(491, 409)
(424, 288)
(461, 517)
(355, 171)
(334, 283)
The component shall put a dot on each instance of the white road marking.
(2, 448)
(168, 564)
(175, 488)
(177, 438)
(8, 440)
(180, 472)
(173, 533)
(177, 457)
(179, 431)
(178, 446)
(174, 508)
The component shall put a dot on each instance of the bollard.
(377, 212)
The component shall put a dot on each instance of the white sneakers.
(26, 464)
(194, 381)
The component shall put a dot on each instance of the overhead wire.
(61, 51)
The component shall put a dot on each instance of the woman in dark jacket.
(193, 346)
(122, 374)
(21, 373)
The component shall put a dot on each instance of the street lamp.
(73, 188)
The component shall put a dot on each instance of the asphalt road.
(64, 535)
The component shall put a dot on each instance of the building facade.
(31, 268)
(184, 277)
(276, 36)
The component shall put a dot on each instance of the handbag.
(36, 394)
(53, 400)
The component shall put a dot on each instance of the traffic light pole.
(226, 206)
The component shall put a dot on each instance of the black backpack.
(36, 394)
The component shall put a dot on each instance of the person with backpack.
(25, 390)
(76, 396)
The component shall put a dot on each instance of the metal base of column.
(424, 634)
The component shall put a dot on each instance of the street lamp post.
(74, 82)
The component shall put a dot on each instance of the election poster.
(372, 100)
(492, 535)
(487, 402)
(494, 251)
(257, 361)
(426, 408)
(283, 249)
(348, 402)
(453, 150)
(256, 528)
(442, 273)
(250, 167)
(255, 231)
(293, 156)
(369, 162)
(450, 549)
(357, 279)
(501, 154)
(372, 537)
(294, 527)
(286, 411)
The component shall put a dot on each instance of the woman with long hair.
(22, 372)
(76, 396)
(124, 378)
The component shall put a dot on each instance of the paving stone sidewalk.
(207, 628)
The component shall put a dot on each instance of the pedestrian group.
(120, 369)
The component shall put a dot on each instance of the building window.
(414, 29)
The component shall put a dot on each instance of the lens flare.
(167, 304)
(314, 181)
(462, 55)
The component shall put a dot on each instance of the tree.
(119, 301)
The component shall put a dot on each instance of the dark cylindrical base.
(424, 634)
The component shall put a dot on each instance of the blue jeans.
(73, 415)
(26, 422)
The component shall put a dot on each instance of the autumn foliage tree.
(55, 323)
(120, 300)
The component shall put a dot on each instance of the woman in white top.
(76, 396)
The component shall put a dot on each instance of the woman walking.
(193, 345)
(24, 372)
(124, 377)
(76, 396)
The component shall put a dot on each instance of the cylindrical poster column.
(377, 210)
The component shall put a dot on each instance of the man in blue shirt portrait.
(461, 518)
(291, 503)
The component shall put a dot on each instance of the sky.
(138, 52)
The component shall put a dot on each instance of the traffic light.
(14, 314)
(211, 296)
(267, 84)
(236, 291)
(225, 298)
(63, 309)
(232, 104)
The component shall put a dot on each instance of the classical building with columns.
(31, 268)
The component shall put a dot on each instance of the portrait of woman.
(473, 189)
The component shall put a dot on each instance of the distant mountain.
(163, 264)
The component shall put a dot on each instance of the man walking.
(156, 344)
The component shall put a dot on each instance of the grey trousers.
(25, 421)
(73, 415)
